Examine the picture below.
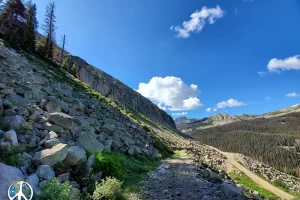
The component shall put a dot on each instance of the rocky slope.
(118, 92)
(51, 118)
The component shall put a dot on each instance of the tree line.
(273, 141)
(19, 27)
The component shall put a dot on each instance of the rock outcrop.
(118, 92)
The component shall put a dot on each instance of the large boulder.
(45, 172)
(13, 122)
(52, 156)
(76, 155)
(89, 142)
(8, 175)
(53, 106)
(11, 137)
(62, 119)
(17, 100)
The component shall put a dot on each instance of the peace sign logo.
(20, 191)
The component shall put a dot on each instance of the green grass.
(129, 169)
(244, 180)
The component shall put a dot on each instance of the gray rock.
(13, 122)
(76, 155)
(130, 151)
(17, 100)
(9, 112)
(64, 177)
(108, 128)
(75, 193)
(53, 106)
(97, 177)
(62, 119)
(23, 111)
(33, 142)
(107, 144)
(52, 156)
(42, 103)
(51, 135)
(231, 189)
(4, 144)
(11, 137)
(89, 164)
(45, 172)
(33, 181)
(52, 127)
(89, 142)
(7, 90)
(7, 176)
(51, 143)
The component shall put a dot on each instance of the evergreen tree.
(11, 19)
(49, 29)
(31, 26)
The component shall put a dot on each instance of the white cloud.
(230, 103)
(208, 109)
(267, 98)
(198, 21)
(291, 63)
(292, 94)
(262, 74)
(179, 114)
(171, 93)
(215, 109)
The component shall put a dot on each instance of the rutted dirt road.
(254, 177)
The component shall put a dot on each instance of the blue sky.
(220, 50)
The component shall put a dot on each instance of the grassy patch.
(179, 153)
(244, 180)
(10, 155)
(130, 170)
(280, 185)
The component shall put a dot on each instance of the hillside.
(273, 141)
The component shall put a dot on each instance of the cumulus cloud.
(230, 103)
(215, 109)
(208, 109)
(198, 21)
(179, 113)
(171, 93)
(291, 63)
(292, 94)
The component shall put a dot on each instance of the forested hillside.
(273, 141)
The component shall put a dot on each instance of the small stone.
(166, 191)
(33, 181)
(74, 184)
(9, 112)
(51, 143)
(45, 172)
(90, 162)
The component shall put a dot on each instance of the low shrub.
(109, 188)
(54, 190)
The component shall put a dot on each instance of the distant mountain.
(185, 124)
(185, 120)
(216, 120)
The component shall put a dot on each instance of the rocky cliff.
(121, 94)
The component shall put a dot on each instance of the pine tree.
(31, 26)
(49, 29)
(11, 17)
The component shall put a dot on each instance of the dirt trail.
(177, 179)
(254, 177)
